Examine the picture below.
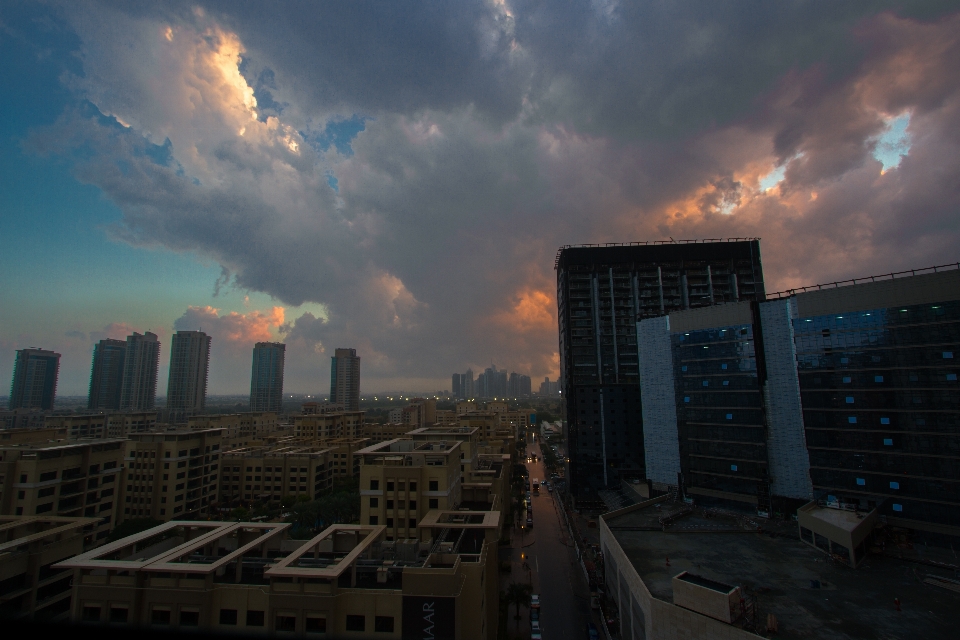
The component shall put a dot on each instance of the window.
(356, 623)
(374, 520)
(389, 522)
(255, 618)
(43, 508)
(894, 485)
(852, 420)
(316, 625)
(389, 486)
(413, 505)
(897, 507)
(91, 613)
(374, 502)
(878, 378)
(374, 485)
(433, 503)
(383, 624)
(888, 442)
(160, 616)
(847, 379)
(884, 420)
(733, 467)
(413, 486)
(286, 623)
(43, 493)
(412, 523)
(849, 399)
(434, 485)
(118, 614)
(861, 482)
(389, 504)
(50, 475)
(189, 618)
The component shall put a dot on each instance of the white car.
(535, 600)
(535, 626)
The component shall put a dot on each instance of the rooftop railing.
(879, 278)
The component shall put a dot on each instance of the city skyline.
(178, 168)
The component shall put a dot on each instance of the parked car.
(529, 521)
(592, 633)
(535, 626)
(535, 601)
(534, 614)
(536, 636)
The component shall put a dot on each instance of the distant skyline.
(399, 183)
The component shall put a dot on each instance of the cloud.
(489, 135)
(80, 335)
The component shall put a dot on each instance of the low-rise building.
(170, 474)
(382, 432)
(239, 429)
(24, 436)
(64, 478)
(270, 473)
(346, 462)
(105, 425)
(401, 480)
(348, 581)
(29, 547)
(345, 424)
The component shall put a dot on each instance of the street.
(553, 570)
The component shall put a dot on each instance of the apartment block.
(345, 378)
(348, 581)
(266, 377)
(270, 473)
(25, 436)
(34, 384)
(469, 438)
(239, 429)
(348, 424)
(445, 417)
(189, 365)
(346, 461)
(111, 425)
(382, 432)
(30, 588)
(170, 474)
(401, 480)
(141, 362)
(106, 375)
(64, 478)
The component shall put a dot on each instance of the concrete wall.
(907, 290)
(661, 445)
(718, 315)
(786, 443)
(644, 617)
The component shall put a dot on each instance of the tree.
(519, 594)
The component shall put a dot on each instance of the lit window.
(852, 420)
(733, 467)
(888, 442)
(898, 507)
(849, 399)
(861, 481)
(884, 420)
(894, 485)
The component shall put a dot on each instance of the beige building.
(466, 406)
(29, 545)
(271, 473)
(401, 480)
(446, 417)
(239, 429)
(346, 424)
(105, 425)
(65, 478)
(24, 436)
(347, 582)
(383, 432)
(170, 474)
(346, 462)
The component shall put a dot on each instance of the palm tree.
(519, 594)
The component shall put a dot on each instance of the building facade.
(64, 478)
(34, 383)
(170, 474)
(106, 375)
(189, 364)
(266, 379)
(601, 294)
(345, 378)
(844, 394)
(141, 364)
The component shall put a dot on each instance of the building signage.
(429, 618)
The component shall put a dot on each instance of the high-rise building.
(345, 378)
(141, 363)
(34, 383)
(846, 393)
(266, 379)
(467, 385)
(601, 294)
(106, 375)
(189, 363)
(455, 386)
(518, 386)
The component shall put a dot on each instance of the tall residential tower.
(266, 379)
(345, 378)
(602, 292)
(106, 375)
(140, 365)
(189, 363)
(34, 379)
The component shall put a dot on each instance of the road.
(554, 570)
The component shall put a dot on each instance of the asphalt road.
(555, 571)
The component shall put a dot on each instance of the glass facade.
(720, 417)
(881, 408)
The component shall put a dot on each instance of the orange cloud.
(246, 328)
(533, 310)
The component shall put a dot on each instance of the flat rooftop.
(811, 595)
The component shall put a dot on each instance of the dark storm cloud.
(494, 134)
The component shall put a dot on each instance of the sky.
(397, 177)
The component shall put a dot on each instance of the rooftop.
(811, 595)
